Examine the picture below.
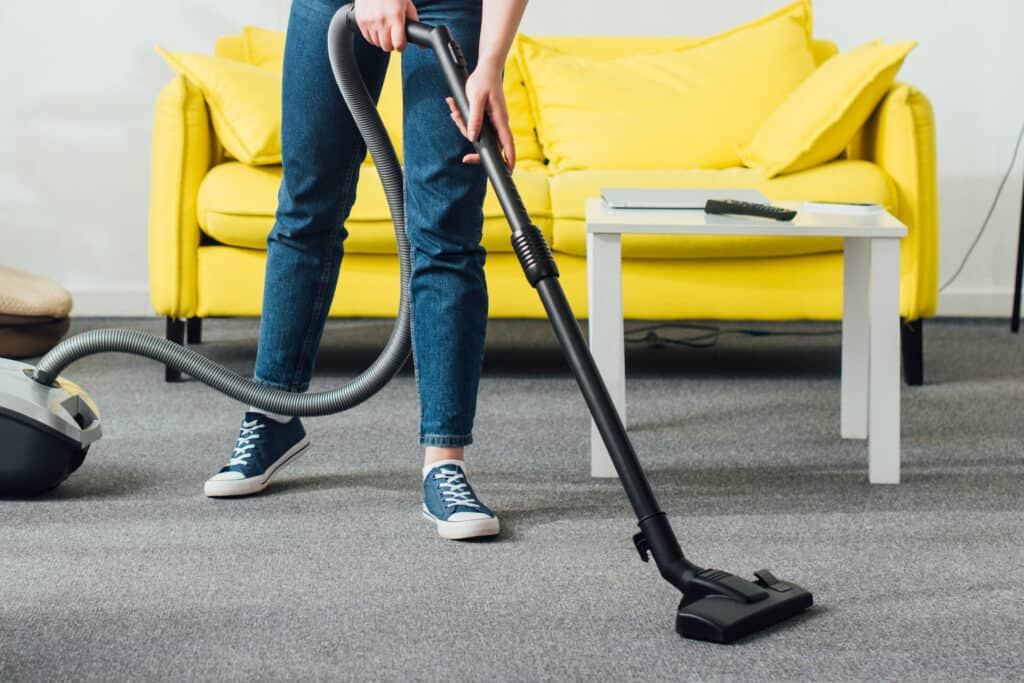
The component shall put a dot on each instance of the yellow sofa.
(210, 216)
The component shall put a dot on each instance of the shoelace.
(243, 449)
(458, 491)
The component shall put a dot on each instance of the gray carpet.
(128, 572)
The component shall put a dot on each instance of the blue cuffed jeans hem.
(446, 441)
(293, 388)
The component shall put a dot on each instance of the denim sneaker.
(449, 502)
(264, 446)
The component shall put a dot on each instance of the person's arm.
(483, 89)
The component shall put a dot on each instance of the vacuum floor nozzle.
(721, 618)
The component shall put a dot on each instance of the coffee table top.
(602, 220)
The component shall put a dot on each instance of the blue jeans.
(322, 152)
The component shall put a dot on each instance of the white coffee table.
(870, 400)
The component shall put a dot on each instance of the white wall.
(79, 78)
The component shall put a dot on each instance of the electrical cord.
(710, 335)
(991, 210)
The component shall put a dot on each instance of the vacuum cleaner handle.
(449, 54)
(440, 40)
(452, 62)
(456, 71)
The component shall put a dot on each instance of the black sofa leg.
(912, 338)
(1018, 277)
(176, 334)
(194, 333)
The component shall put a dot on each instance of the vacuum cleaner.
(47, 423)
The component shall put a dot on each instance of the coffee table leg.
(884, 372)
(854, 406)
(604, 282)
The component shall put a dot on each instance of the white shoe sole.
(461, 531)
(231, 488)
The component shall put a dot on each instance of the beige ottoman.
(33, 313)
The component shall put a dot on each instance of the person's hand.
(486, 96)
(382, 22)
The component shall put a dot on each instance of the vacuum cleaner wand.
(716, 606)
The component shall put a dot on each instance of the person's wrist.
(491, 63)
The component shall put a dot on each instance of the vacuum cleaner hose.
(341, 47)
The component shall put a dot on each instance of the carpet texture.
(128, 573)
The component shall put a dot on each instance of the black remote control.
(737, 207)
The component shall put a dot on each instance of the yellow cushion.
(859, 181)
(602, 47)
(244, 102)
(684, 108)
(824, 50)
(520, 116)
(237, 203)
(264, 47)
(232, 47)
(616, 47)
(818, 120)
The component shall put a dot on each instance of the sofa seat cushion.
(849, 181)
(237, 203)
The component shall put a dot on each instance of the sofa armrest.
(184, 149)
(900, 138)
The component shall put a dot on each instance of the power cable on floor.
(708, 336)
(991, 210)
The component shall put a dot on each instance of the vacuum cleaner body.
(45, 430)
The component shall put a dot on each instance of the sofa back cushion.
(686, 106)
(232, 47)
(238, 96)
(265, 48)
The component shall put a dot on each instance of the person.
(321, 154)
